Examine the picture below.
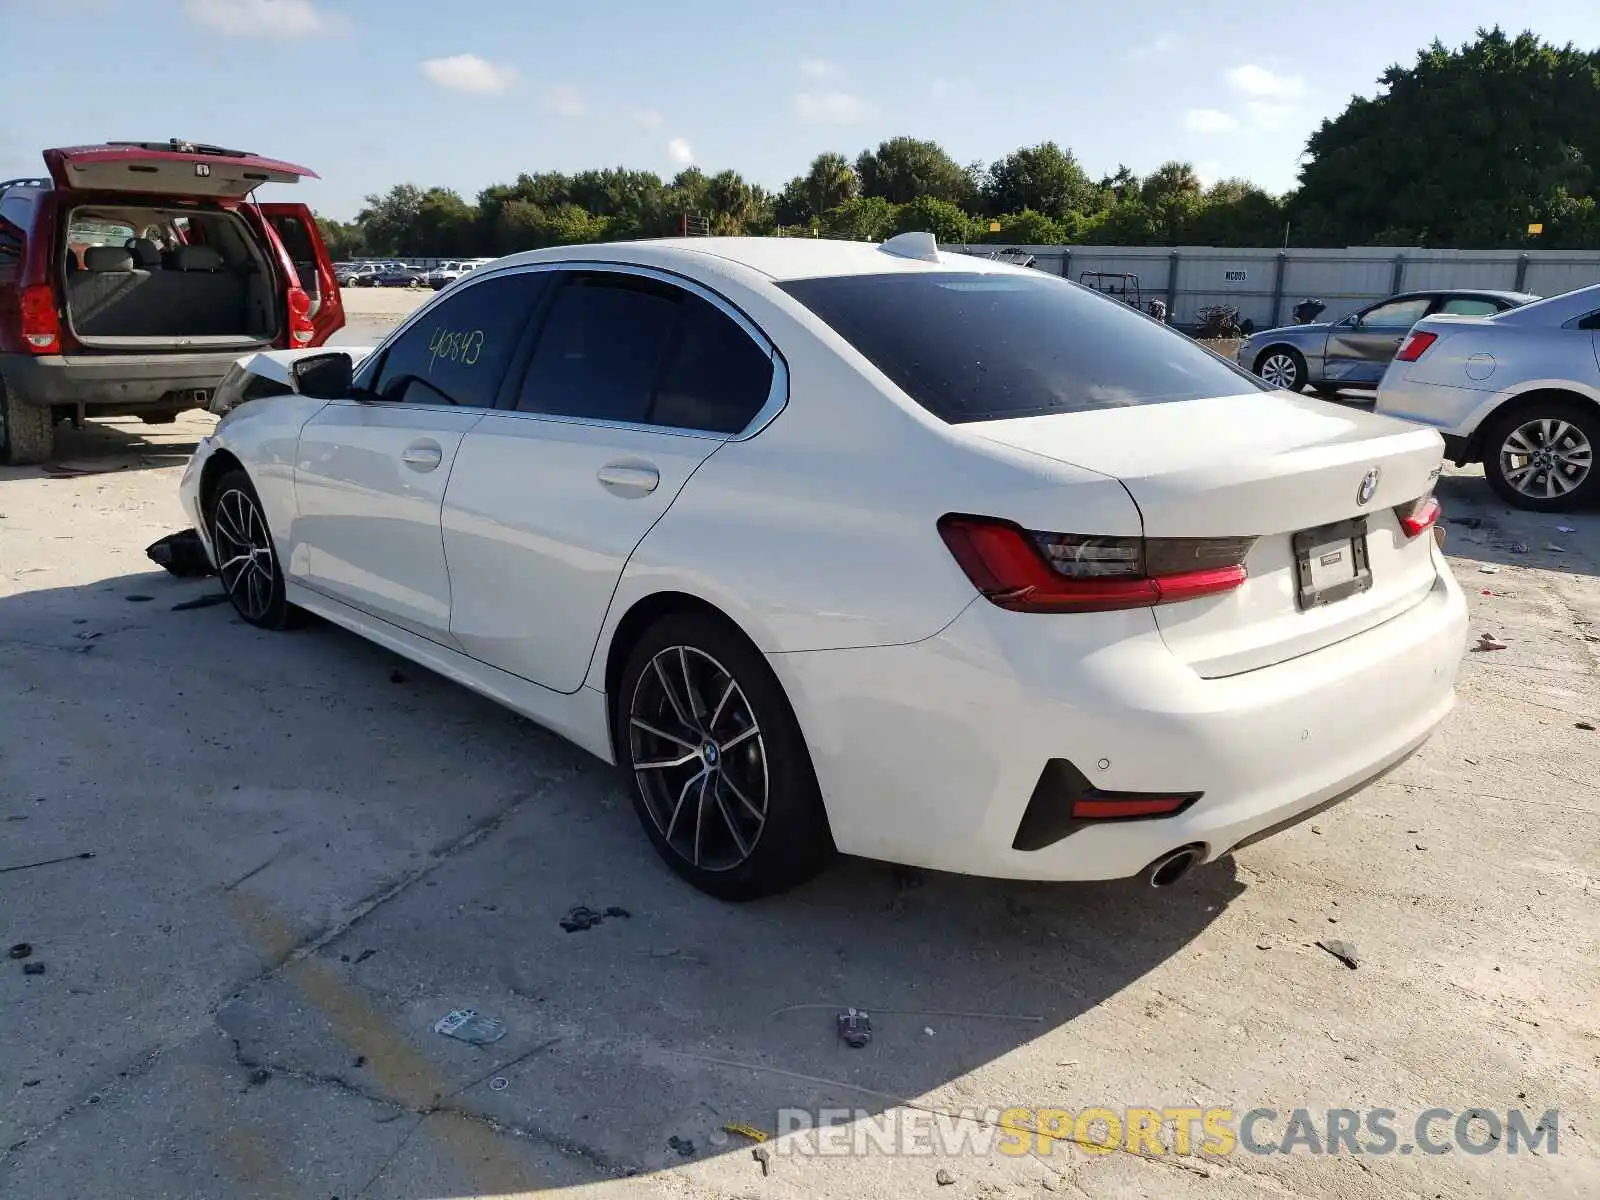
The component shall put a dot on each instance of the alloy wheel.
(1281, 371)
(244, 552)
(699, 757)
(1546, 458)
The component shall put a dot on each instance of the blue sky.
(469, 92)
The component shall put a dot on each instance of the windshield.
(978, 347)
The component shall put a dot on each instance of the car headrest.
(107, 258)
(197, 258)
(146, 254)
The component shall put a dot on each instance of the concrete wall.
(1266, 284)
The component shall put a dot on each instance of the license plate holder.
(1331, 563)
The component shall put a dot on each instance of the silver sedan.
(1519, 392)
(1353, 351)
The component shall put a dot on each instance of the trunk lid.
(172, 168)
(1268, 466)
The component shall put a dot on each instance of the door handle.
(422, 456)
(629, 479)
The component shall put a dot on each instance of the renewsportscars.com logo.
(1157, 1132)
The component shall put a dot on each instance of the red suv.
(133, 277)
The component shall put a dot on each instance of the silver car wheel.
(1281, 371)
(699, 758)
(244, 553)
(1546, 458)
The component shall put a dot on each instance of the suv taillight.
(41, 327)
(301, 330)
(1416, 345)
(1025, 571)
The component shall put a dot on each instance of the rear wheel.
(723, 783)
(246, 560)
(1542, 456)
(1282, 367)
(27, 433)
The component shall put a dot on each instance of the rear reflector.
(1025, 571)
(1064, 802)
(1416, 345)
(1419, 516)
(1128, 806)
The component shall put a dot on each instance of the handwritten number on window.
(461, 346)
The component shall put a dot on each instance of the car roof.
(779, 259)
(1493, 293)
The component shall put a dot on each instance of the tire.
(1555, 470)
(759, 826)
(255, 586)
(1283, 367)
(27, 433)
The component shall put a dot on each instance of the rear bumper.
(929, 754)
(123, 380)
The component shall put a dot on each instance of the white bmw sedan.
(877, 549)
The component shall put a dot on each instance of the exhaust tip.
(1173, 866)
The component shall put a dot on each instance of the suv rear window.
(980, 347)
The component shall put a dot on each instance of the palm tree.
(830, 182)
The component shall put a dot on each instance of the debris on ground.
(761, 1156)
(927, 1031)
(471, 1026)
(397, 676)
(259, 1076)
(20, 950)
(1565, 529)
(1263, 944)
(1468, 522)
(364, 955)
(1555, 549)
(580, 918)
(181, 553)
(499, 1083)
(138, 598)
(1519, 547)
(1343, 951)
(47, 862)
(746, 1131)
(682, 1147)
(206, 601)
(855, 1028)
(1487, 641)
(943, 1177)
(615, 911)
(33, 968)
(1584, 725)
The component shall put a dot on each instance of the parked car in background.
(1101, 605)
(135, 275)
(451, 270)
(361, 274)
(1518, 392)
(1353, 351)
(398, 275)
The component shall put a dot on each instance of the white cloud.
(1270, 117)
(680, 152)
(1157, 47)
(468, 73)
(831, 108)
(816, 68)
(260, 18)
(1209, 120)
(646, 118)
(1251, 80)
(567, 102)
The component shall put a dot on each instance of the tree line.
(1466, 148)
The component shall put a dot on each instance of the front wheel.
(246, 561)
(1541, 457)
(723, 783)
(1282, 367)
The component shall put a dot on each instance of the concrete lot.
(307, 851)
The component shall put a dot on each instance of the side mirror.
(323, 376)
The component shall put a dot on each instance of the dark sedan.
(399, 277)
(1354, 351)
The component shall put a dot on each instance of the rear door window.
(601, 346)
(715, 377)
(1397, 314)
(1470, 306)
(457, 351)
(978, 347)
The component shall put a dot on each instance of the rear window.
(975, 347)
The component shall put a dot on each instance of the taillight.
(1421, 515)
(1416, 345)
(41, 327)
(1025, 571)
(301, 330)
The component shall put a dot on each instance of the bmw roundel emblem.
(1369, 485)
